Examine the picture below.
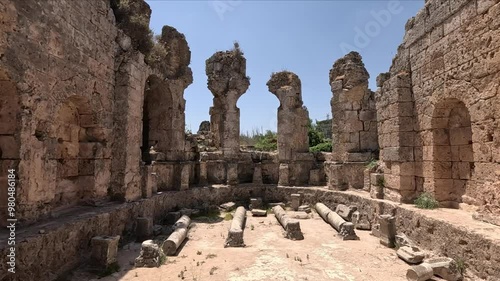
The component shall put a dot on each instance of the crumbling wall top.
(226, 70)
(282, 79)
(350, 69)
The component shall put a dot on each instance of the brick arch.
(452, 153)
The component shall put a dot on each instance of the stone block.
(144, 228)
(422, 272)
(259, 213)
(104, 250)
(361, 221)
(411, 255)
(304, 208)
(255, 203)
(229, 206)
(295, 201)
(345, 211)
(185, 176)
(284, 175)
(376, 230)
(232, 173)
(445, 268)
(387, 230)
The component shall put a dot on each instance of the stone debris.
(300, 215)
(361, 221)
(345, 211)
(445, 268)
(255, 203)
(387, 230)
(304, 208)
(235, 234)
(402, 240)
(376, 230)
(228, 207)
(150, 255)
(259, 213)
(345, 229)
(291, 226)
(170, 246)
(411, 255)
(144, 228)
(104, 250)
(295, 201)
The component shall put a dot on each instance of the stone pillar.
(291, 226)
(387, 230)
(167, 124)
(235, 235)
(104, 250)
(354, 124)
(293, 118)
(227, 81)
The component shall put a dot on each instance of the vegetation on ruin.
(132, 16)
(372, 164)
(460, 265)
(426, 201)
(317, 140)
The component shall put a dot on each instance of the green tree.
(267, 142)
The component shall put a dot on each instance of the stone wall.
(354, 126)
(438, 106)
(59, 60)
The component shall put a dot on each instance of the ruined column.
(175, 239)
(235, 235)
(292, 116)
(291, 226)
(227, 81)
(144, 228)
(345, 229)
(354, 125)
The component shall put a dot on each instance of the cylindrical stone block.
(387, 230)
(322, 210)
(295, 201)
(235, 235)
(173, 242)
(291, 226)
(183, 222)
(335, 220)
(422, 272)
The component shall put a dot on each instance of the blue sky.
(305, 37)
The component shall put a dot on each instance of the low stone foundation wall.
(65, 242)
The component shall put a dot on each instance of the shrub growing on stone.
(426, 201)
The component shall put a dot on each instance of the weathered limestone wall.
(59, 59)
(354, 124)
(63, 243)
(227, 81)
(438, 106)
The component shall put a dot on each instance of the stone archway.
(157, 117)
(452, 154)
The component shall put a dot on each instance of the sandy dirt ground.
(267, 256)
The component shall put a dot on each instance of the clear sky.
(305, 37)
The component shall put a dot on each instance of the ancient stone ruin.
(92, 137)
